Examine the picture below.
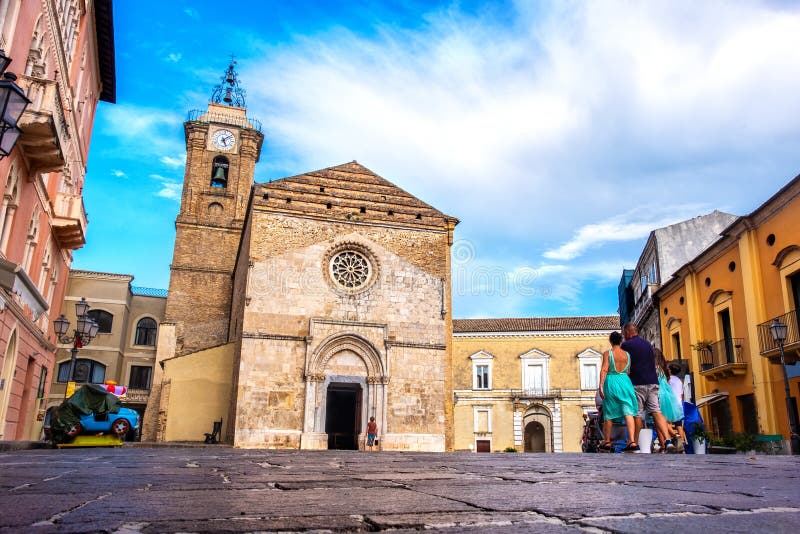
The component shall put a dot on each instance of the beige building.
(526, 383)
(300, 308)
(124, 349)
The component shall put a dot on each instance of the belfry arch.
(345, 381)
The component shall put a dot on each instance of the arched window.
(219, 172)
(9, 11)
(32, 239)
(36, 55)
(85, 371)
(146, 332)
(102, 318)
(70, 12)
(9, 207)
(47, 262)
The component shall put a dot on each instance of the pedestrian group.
(635, 380)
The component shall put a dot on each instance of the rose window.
(350, 269)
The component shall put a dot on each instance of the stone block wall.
(291, 314)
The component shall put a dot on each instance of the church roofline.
(351, 192)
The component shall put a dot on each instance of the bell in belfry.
(219, 179)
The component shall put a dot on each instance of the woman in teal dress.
(671, 406)
(616, 389)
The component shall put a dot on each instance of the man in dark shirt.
(645, 382)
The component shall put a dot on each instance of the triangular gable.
(349, 191)
(481, 355)
(589, 354)
(534, 354)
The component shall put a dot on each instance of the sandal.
(606, 446)
(631, 447)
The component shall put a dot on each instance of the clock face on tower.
(223, 139)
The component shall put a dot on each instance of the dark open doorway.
(343, 415)
(534, 437)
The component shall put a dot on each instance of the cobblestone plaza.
(196, 489)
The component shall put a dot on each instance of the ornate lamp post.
(12, 104)
(83, 334)
(779, 331)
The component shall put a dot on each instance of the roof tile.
(536, 324)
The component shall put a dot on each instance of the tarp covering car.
(87, 399)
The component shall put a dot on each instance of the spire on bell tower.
(228, 90)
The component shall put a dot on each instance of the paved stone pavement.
(222, 489)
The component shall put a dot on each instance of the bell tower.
(222, 148)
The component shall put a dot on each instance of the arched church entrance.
(345, 386)
(538, 429)
(343, 415)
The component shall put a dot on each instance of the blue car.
(91, 410)
(119, 423)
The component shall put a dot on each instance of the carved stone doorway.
(535, 437)
(343, 415)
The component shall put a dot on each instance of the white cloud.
(174, 57)
(192, 13)
(118, 173)
(629, 226)
(538, 127)
(170, 188)
(551, 130)
(174, 162)
(150, 130)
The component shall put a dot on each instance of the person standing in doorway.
(645, 381)
(372, 432)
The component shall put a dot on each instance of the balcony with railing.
(231, 118)
(536, 393)
(44, 128)
(69, 220)
(723, 358)
(137, 396)
(791, 346)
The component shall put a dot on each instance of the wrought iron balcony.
(723, 358)
(537, 393)
(69, 220)
(44, 128)
(791, 347)
(199, 115)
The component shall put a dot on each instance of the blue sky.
(559, 133)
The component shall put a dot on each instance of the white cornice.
(535, 333)
(96, 275)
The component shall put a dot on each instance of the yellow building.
(526, 383)
(717, 309)
(124, 349)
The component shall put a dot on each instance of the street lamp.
(12, 104)
(85, 330)
(779, 331)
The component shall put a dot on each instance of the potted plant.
(745, 443)
(700, 438)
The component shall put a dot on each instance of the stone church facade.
(299, 309)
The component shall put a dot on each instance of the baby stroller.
(592, 432)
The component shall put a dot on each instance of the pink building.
(62, 52)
